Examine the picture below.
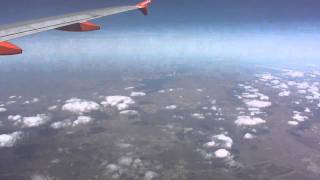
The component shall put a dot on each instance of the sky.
(246, 29)
(176, 12)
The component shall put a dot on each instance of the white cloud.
(129, 112)
(314, 90)
(42, 177)
(223, 140)
(80, 106)
(120, 102)
(263, 97)
(294, 74)
(292, 83)
(222, 153)
(123, 145)
(249, 121)
(150, 175)
(220, 141)
(52, 108)
(284, 93)
(296, 102)
(275, 82)
(307, 110)
(210, 144)
(9, 140)
(34, 121)
(293, 123)
(198, 116)
(214, 108)
(205, 108)
(200, 90)
(302, 91)
(2, 109)
(82, 120)
(249, 96)
(10, 102)
(15, 118)
(113, 168)
(125, 161)
(129, 88)
(316, 73)
(34, 100)
(171, 107)
(302, 85)
(253, 113)
(254, 109)
(298, 116)
(248, 136)
(61, 124)
(283, 86)
(26, 102)
(267, 77)
(253, 90)
(240, 108)
(258, 103)
(137, 94)
(68, 123)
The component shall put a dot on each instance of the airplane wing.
(75, 22)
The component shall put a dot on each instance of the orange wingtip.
(7, 48)
(143, 6)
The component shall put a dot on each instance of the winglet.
(143, 6)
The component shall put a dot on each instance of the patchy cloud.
(129, 112)
(171, 107)
(80, 106)
(129, 88)
(15, 118)
(293, 74)
(61, 124)
(150, 175)
(297, 116)
(31, 121)
(284, 93)
(137, 94)
(249, 121)
(35, 100)
(119, 102)
(249, 136)
(198, 116)
(125, 161)
(82, 120)
(258, 103)
(222, 153)
(2, 109)
(9, 140)
(52, 108)
(293, 123)
(223, 140)
(34, 121)
(267, 77)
